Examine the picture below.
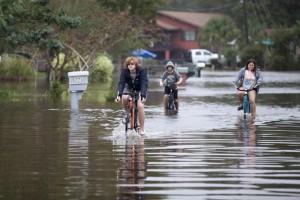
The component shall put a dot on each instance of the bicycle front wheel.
(246, 104)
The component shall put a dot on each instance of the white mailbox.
(78, 81)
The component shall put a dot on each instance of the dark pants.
(168, 91)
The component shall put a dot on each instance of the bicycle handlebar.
(243, 90)
(247, 90)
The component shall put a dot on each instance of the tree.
(33, 25)
(144, 9)
(284, 50)
(217, 33)
(115, 27)
(26, 22)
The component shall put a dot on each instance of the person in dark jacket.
(133, 78)
(249, 77)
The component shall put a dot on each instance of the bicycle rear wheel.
(171, 103)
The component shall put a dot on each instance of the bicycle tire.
(127, 122)
(136, 118)
(246, 104)
(171, 103)
(131, 115)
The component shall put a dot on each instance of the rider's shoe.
(124, 119)
(240, 107)
(142, 132)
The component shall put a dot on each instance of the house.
(180, 30)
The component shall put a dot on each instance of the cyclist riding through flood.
(170, 79)
(133, 78)
(249, 78)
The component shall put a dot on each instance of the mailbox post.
(78, 81)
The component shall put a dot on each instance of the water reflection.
(78, 158)
(204, 152)
(75, 97)
(132, 171)
(247, 135)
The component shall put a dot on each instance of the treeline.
(265, 29)
(81, 31)
(74, 34)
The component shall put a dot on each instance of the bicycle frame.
(132, 112)
(171, 100)
(171, 97)
(246, 102)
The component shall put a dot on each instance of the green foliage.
(281, 12)
(70, 65)
(102, 69)
(230, 55)
(283, 52)
(4, 95)
(199, 5)
(217, 33)
(253, 51)
(15, 68)
(110, 26)
(142, 8)
(26, 22)
(99, 93)
(56, 89)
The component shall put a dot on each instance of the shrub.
(71, 65)
(230, 55)
(253, 51)
(102, 69)
(15, 68)
(56, 90)
(283, 52)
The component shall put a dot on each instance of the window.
(189, 35)
(207, 53)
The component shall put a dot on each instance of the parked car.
(200, 56)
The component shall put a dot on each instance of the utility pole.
(245, 21)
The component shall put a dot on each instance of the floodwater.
(207, 151)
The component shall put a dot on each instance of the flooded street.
(206, 151)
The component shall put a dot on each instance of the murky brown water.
(206, 151)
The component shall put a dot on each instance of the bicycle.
(131, 119)
(246, 103)
(171, 104)
(171, 100)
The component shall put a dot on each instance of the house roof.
(165, 25)
(194, 18)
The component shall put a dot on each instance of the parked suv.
(200, 56)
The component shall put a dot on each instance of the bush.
(56, 90)
(230, 55)
(102, 69)
(71, 65)
(283, 52)
(253, 51)
(15, 68)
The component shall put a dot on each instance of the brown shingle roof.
(165, 25)
(193, 18)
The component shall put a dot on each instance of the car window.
(198, 53)
(207, 53)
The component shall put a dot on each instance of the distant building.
(180, 30)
